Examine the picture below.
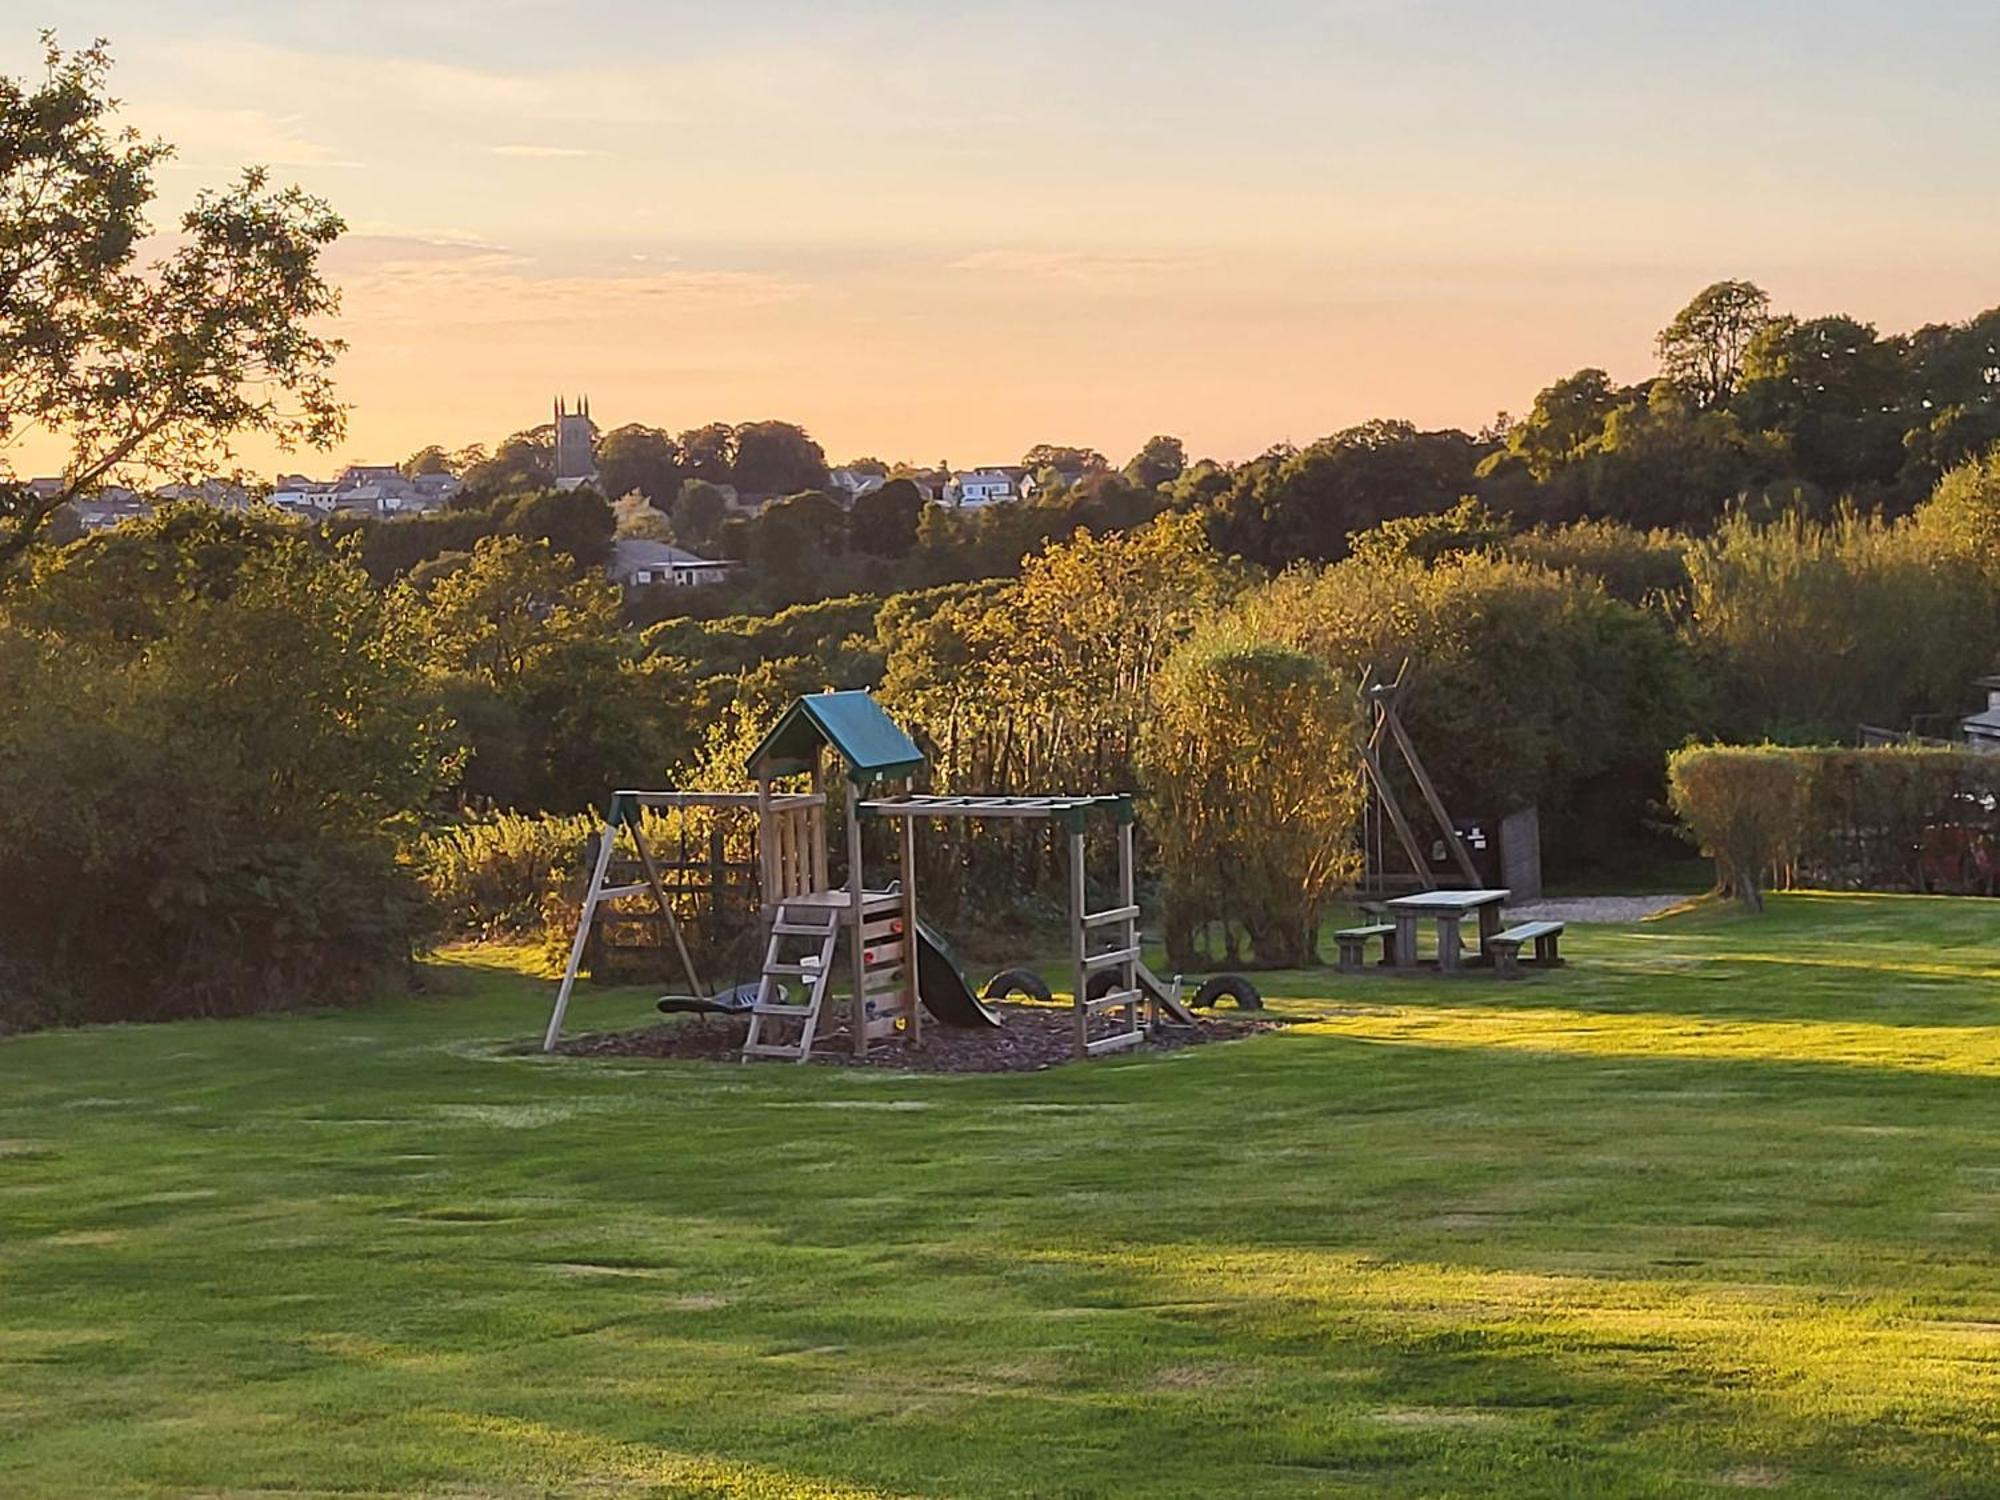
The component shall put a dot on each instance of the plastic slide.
(942, 985)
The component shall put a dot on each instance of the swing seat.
(732, 1002)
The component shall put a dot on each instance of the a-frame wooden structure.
(1385, 730)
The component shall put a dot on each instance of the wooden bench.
(1352, 943)
(1505, 947)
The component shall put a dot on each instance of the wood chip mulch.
(1034, 1037)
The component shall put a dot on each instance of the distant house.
(223, 494)
(855, 483)
(1982, 730)
(977, 487)
(636, 563)
(109, 507)
(375, 490)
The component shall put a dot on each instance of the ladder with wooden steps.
(798, 924)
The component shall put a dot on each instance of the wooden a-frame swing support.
(803, 839)
(1382, 699)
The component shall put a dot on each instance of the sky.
(929, 231)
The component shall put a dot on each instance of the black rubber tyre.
(1024, 982)
(1228, 987)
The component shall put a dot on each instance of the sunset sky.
(932, 231)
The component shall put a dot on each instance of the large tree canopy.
(142, 362)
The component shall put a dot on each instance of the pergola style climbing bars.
(1073, 814)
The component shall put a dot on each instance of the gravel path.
(1614, 909)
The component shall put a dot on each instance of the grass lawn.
(1715, 1210)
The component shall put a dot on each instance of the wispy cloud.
(201, 133)
(541, 153)
(1095, 267)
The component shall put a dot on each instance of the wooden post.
(1129, 899)
(767, 879)
(1371, 758)
(1078, 944)
(666, 907)
(857, 1005)
(912, 996)
(816, 825)
(1451, 838)
(604, 847)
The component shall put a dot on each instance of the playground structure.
(1386, 731)
(898, 967)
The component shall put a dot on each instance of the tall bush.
(213, 734)
(1527, 685)
(1742, 806)
(1254, 788)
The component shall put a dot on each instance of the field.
(1715, 1211)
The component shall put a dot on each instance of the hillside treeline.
(230, 745)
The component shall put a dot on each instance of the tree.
(1071, 463)
(214, 728)
(645, 459)
(1741, 805)
(1252, 767)
(1831, 391)
(1160, 461)
(1701, 350)
(529, 658)
(522, 464)
(708, 453)
(791, 539)
(698, 513)
(576, 522)
(884, 521)
(1568, 418)
(777, 458)
(145, 367)
(1290, 506)
(428, 460)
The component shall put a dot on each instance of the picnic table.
(1448, 908)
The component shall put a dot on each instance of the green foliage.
(491, 877)
(530, 660)
(1638, 567)
(1045, 683)
(1526, 685)
(1811, 629)
(698, 511)
(1741, 805)
(1701, 351)
(1289, 506)
(884, 521)
(149, 364)
(1160, 461)
(214, 732)
(775, 458)
(1892, 818)
(643, 460)
(1250, 758)
(1467, 527)
(1962, 518)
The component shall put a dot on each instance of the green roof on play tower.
(853, 724)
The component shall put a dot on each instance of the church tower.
(576, 445)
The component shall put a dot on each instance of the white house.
(637, 563)
(977, 487)
(1982, 730)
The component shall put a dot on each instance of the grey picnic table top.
(1446, 903)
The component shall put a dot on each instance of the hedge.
(1893, 818)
